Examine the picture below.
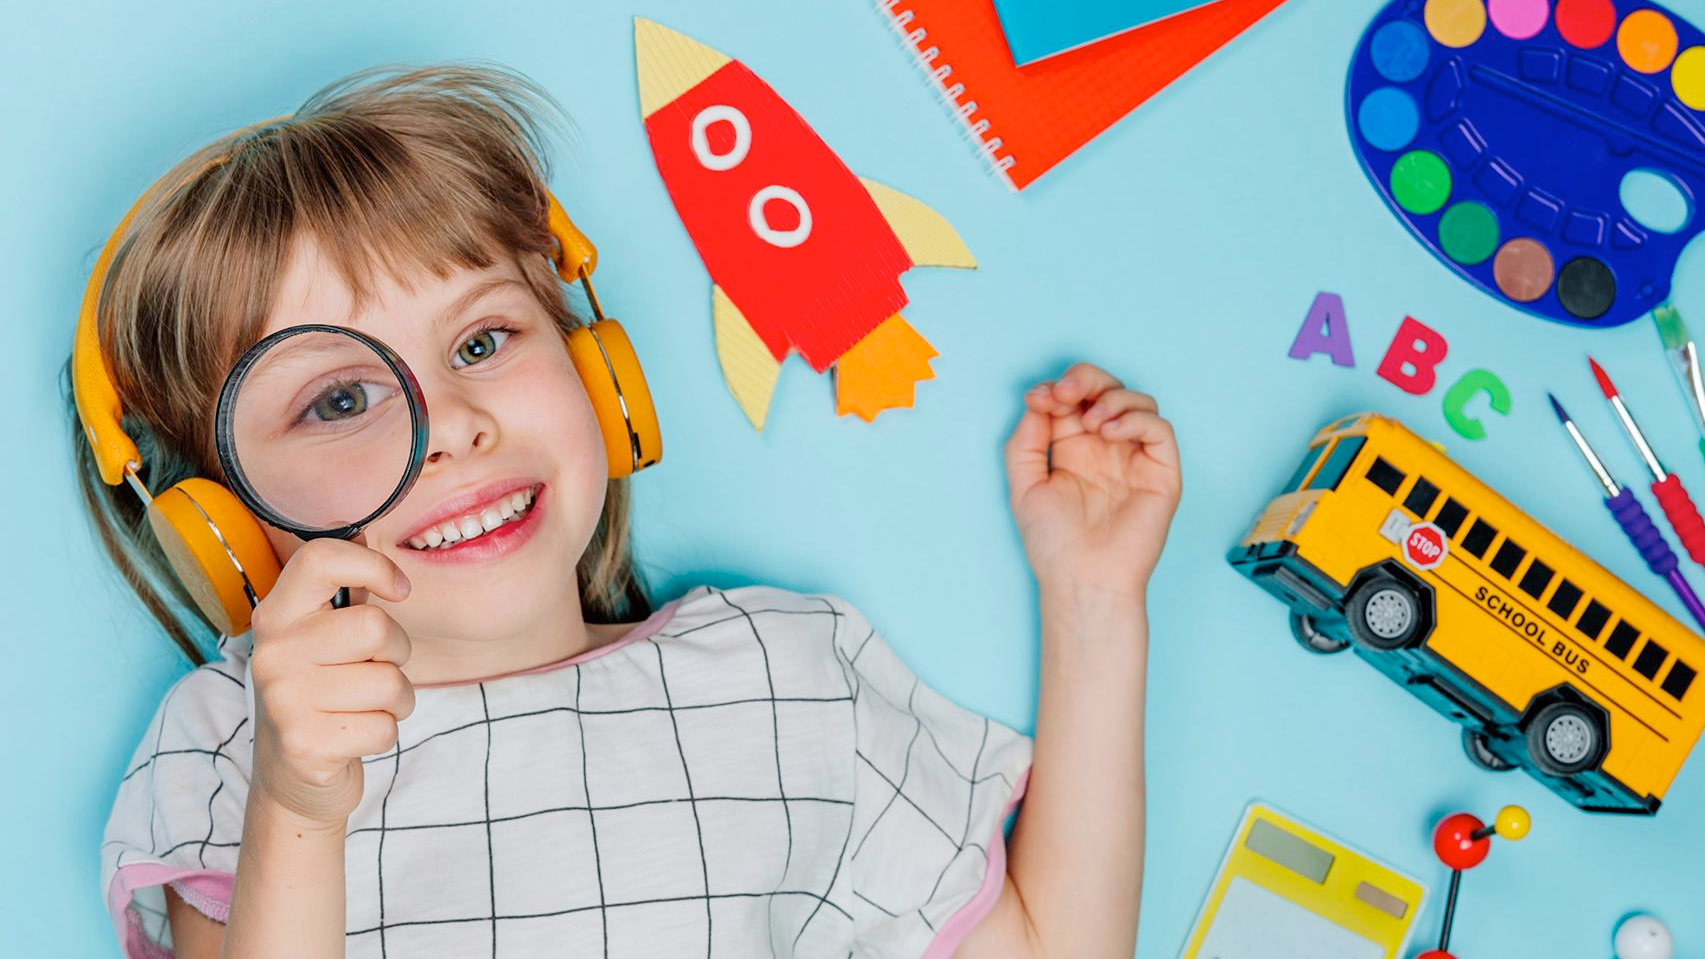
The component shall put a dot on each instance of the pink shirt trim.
(644, 629)
(947, 938)
(208, 890)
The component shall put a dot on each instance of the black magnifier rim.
(225, 442)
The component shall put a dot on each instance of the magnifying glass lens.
(322, 430)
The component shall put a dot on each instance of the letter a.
(1415, 351)
(1325, 330)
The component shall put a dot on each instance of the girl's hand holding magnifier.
(321, 430)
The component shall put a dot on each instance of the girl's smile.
(499, 526)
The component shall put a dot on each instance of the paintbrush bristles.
(1603, 378)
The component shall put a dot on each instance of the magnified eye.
(341, 402)
(480, 346)
(344, 403)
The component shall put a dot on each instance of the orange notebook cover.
(1027, 120)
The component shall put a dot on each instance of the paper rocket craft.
(803, 255)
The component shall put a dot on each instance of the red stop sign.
(1424, 547)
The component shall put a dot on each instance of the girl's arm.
(287, 899)
(1095, 480)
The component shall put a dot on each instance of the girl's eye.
(480, 346)
(340, 403)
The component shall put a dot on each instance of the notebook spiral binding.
(953, 95)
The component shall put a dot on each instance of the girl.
(487, 755)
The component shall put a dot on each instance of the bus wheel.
(1480, 754)
(1309, 636)
(1383, 614)
(1565, 739)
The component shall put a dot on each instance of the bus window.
(1593, 620)
(1649, 661)
(1451, 516)
(1385, 476)
(1509, 557)
(1680, 677)
(1564, 601)
(1420, 499)
(1338, 463)
(1621, 640)
(1308, 461)
(1537, 577)
(1479, 538)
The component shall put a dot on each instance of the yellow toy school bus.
(1549, 662)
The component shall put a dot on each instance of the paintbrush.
(1684, 358)
(1677, 505)
(1633, 519)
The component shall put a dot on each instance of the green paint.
(1468, 232)
(1420, 182)
(1463, 390)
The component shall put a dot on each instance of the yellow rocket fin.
(927, 236)
(669, 63)
(881, 371)
(747, 364)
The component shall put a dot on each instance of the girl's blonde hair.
(385, 170)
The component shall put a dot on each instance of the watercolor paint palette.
(1552, 154)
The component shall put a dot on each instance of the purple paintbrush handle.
(1689, 598)
(1644, 534)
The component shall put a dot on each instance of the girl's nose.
(459, 423)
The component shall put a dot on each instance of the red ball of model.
(1455, 844)
(1435, 954)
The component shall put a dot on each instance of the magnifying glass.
(321, 430)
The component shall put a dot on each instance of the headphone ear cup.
(217, 548)
(609, 369)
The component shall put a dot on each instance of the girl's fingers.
(1027, 451)
(316, 571)
(1149, 430)
(1084, 381)
(364, 687)
(1110, 404)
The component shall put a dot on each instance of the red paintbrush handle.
(1683, 515)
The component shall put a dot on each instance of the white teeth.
(469, 527)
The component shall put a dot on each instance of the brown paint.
(1523, 269)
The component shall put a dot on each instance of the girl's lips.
(486, 547)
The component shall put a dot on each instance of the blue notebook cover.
(1036, 29)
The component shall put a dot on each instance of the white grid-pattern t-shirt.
(748, 773)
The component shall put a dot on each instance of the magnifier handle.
(342, 598)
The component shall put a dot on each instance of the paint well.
(1388, 119)
(1656, 200)
(1688, 77)
(1455, 23)
(1519, 19)
(1587, 24)
(1647, 41)
(1523, 269)
(1399, 51)
(1468, 232)
(1420, 182)
(1586, 288)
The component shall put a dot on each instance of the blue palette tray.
(1502, 135)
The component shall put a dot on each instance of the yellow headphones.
(216, 546)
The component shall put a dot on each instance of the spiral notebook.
(1025, 120)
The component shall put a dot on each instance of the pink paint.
(1519, 19)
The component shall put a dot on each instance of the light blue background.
(1181, 250)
